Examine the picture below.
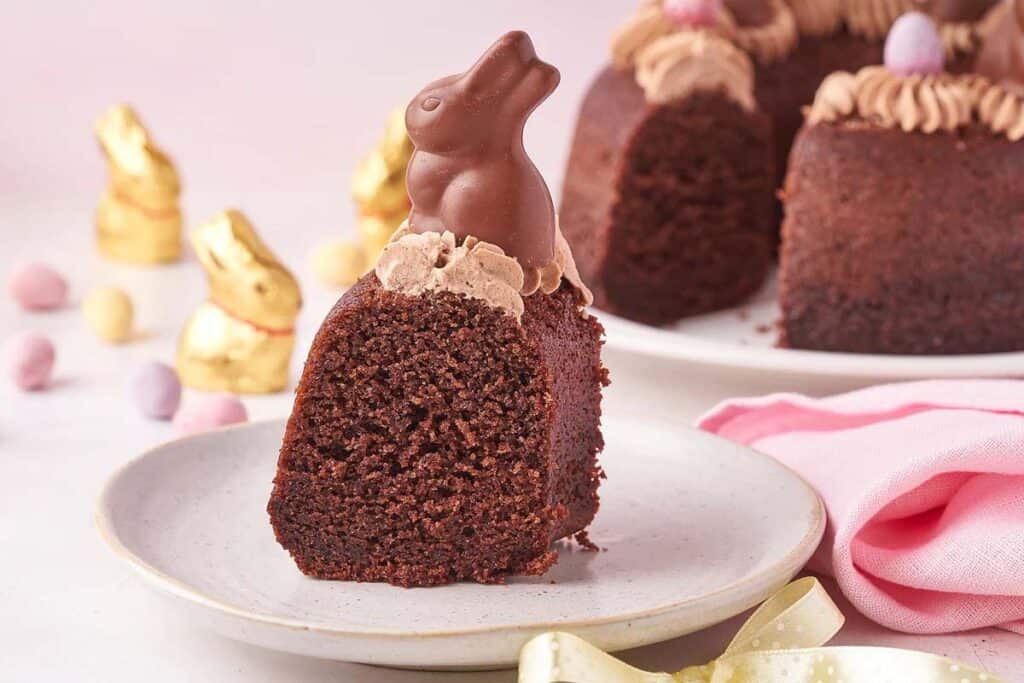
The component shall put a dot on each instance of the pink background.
(253, 97)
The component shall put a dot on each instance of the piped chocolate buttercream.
(1001, 59)
(470, 174)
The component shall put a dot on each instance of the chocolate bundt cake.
(667, 242)
(904, 229)
(669, 193)
(446, 426)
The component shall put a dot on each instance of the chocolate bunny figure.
(470, 174)
(1001, 58)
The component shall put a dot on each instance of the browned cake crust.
(786, 86)
(434, 439)
(925, 258)
(668, 208)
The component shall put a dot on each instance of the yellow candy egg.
(109, 313)
(376, 232)
(339, 264)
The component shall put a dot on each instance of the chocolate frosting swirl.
(671, 61)
(643, 28)
(959, 38)
(999, 87)
(414, 263)
(912, 103)
(874, 18)
(772, 38)
(770, 29)
(548, 278)
(957, 19)
(999, 109)
(678, 65)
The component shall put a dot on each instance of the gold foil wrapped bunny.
(241, 338)
(378, 189)
(138, 219)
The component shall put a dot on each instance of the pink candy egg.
(692, 13)
(209, 412)
(30, 361)
(914, 46)
(37, 287)
(157, 390)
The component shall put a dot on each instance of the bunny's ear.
(501, 66)
(540, 81)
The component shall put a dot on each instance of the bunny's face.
(484, 106)
(138, 168)
(244, 275)
(435, 119)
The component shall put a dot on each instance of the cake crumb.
(582, 539)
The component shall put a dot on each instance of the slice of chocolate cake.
(904, 228)
(446, 426)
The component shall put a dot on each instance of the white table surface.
(69, 611)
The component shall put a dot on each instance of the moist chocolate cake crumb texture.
(667, 242)
(936, 267)
(434, 439)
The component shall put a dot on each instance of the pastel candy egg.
(914, 46)
(339, 264)
(209, 412)
(37, 287)
(692, 13)
(109, 313)
(30, 360)
(157, 390)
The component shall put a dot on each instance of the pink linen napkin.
(924, 487)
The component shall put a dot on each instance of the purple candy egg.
(157, 390)
(692, 13)
(209, 412)
(37, 287)
(914, 46)
(30, 361)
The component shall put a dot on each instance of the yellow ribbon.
(781, 642)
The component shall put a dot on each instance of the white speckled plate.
(743, 339)
(695, 530)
